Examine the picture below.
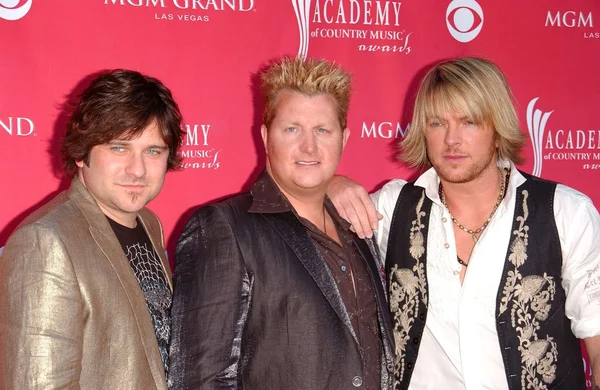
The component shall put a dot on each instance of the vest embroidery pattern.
(405, 285)
(528, 299)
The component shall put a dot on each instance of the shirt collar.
(268, 199)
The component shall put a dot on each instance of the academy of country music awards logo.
(559, 144)
(14, 9)
(464, 19)
(179, 10)
(196, 150)
(374, 25)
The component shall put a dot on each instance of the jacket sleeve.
(210, 304)
(41, 313)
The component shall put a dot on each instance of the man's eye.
(155, 152)
(321, 130)
(117, 148)
(290, 129)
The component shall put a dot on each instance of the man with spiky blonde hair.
(273, 291)
(492, 273)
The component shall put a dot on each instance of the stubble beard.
(468, 174)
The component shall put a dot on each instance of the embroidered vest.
(538, 349)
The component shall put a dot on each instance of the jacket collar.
(267, 199)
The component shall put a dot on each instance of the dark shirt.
(149, 272)
(345, 263)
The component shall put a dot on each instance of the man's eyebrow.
(128, 142)
(119, 141)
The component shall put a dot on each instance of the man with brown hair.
(272, 289)
(84, 280)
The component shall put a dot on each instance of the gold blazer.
(72, 314)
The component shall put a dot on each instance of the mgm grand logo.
(199, 5)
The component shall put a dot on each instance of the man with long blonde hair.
(488, 268)
(272, 289)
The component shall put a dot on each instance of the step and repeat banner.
(210, 52)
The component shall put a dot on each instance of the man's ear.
(264, 134)
(345, 135)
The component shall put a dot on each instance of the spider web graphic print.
(148, 270)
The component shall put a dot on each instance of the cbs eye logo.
(464, 19)
(14, 9)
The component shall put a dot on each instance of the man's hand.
(353, 203)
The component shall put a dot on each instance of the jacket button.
(422, 317)
(409, 366)
(357, 381)
(416, 340)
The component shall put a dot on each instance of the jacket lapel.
(108, 243)
(296, 236)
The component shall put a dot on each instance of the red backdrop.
(208, 52)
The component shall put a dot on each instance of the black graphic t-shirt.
(148, 270)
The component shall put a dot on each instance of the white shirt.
(460, 348)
